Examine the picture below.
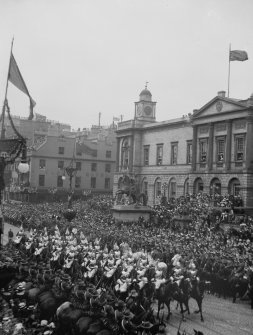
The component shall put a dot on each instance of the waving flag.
(15, 77)
(238, 55)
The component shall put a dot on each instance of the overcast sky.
(82, 57)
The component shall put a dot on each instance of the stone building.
(207, 151)
(51, 148)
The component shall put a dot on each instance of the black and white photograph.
(126, 167)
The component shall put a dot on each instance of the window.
(61, 165)
(220, 150)
(146, 155)
(203, 150)
(78, 166)
(93, 182)
(108, 154)
(42, 163)
(107, 167)
(41, 180)
(158, 188)
(94, 167)
(159, 154)
(239, 148)
(174, 147)
(107, 183)
(59, 181)
(125, 154)
(173, 189)
(61, 150)
(77, 182)
(189, 153)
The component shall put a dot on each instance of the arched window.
(125, 154)
(158, 189)
(234, 186)
(215, 186)
(186, 186)
(172, 188)
(198, 186)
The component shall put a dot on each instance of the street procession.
(95, 276)
(126, 167)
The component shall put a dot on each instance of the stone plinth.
(130, 213)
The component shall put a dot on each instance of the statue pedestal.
(130, 213)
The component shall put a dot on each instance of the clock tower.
(145, 107)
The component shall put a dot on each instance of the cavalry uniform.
(159, 280)
(110, 268)
(91, 269)
(122, 284)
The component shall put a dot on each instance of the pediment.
(219, 105)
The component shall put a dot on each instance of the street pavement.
(221, 316)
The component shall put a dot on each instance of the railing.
(129, 124)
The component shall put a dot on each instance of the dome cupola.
(145, 94)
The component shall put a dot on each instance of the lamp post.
(71, 171)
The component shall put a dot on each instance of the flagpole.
(229, 68)
(5, 96)
(7, 82)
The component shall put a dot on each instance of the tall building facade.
(94, 162)
(209, 150)
(53, 146)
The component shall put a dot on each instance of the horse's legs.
(200, 308)
(182, 310)
(158, 308)
(186, 303)
(167, 303)
(199, 302)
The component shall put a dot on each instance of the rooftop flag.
(15, 77)
(238, 55)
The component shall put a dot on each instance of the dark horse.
(181, 293)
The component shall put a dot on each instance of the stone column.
(228, 145)
(194, 147)
(249, 144)
(131, 153)
(210, 147)
(118, 155)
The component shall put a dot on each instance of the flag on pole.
(238, 55)
(15, 77)
(116, 118)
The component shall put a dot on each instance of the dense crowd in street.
(111, 272)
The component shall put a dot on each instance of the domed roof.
(145, 92)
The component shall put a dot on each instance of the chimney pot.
(222, 94)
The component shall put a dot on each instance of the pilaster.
(210, 147)
(194, 147)
(228, 145)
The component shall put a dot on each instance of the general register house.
(209, 150)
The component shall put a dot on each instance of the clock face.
(148, 110)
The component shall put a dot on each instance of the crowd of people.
(113, 262)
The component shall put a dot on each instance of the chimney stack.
(222, 94)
